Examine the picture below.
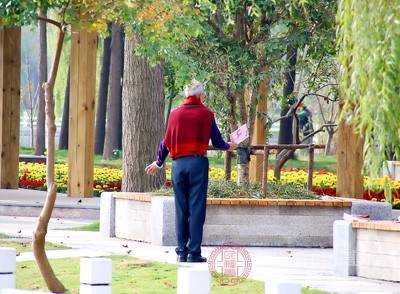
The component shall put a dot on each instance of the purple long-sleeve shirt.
(216, 140)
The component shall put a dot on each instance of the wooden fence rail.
(265, 151)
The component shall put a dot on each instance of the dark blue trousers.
(190, 181)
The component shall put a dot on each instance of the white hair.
(195, 89)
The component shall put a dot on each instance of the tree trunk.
(114, 119)
(286, 124)
(103, 94)
(31, 98)
(243, 169)
(39, 233)
(328, 147)
(233, 126)
(143, 120)
(40, 120)
(64, 131)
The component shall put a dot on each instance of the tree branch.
(323, 96)
(51, 21)
(321, 129)
(216, 28)
(327, 85)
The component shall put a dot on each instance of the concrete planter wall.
(369, 250)
(247, 222)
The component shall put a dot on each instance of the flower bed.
(33, 176)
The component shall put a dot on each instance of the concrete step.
(59, 211)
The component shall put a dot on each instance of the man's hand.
(232, 146)
(152, 169)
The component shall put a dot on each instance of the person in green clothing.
(305, 123)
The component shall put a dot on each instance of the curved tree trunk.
(40, 118)
(286, 124)
(39, 233)
(64, 131)
(114, 113)
(101, 111)
(143, 120)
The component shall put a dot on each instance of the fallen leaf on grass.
(139, 262)
(168, 284)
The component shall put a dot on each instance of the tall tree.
(41, 116)
(63, 140)
(113, 136)
(143, 123)
(230, 44)
(101, 111)
(369, 75)
(27, 12)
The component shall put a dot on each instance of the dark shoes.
(195, 258)
(181, 258)
(190, 258)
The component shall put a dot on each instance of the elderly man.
(190, 128)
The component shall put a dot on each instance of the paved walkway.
(311, 267)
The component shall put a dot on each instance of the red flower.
(381, 195)
(366, 195)
(168, 184)
(330, 191)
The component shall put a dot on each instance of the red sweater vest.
(189, 129)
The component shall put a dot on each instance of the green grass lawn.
(130, 276)
(26, 246)
(95, 227)
(321, 162)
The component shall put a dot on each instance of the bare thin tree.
(40, 231)
(41, 116)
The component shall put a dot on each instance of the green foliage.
(229, 189)
(218, 189)
(16, 12)
(370, 75)
(207, 41)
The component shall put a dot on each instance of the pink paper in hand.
(240, 134)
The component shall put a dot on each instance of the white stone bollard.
(282, 287)
(8, 262)
(344, 248)
(95, 276)
(107, 215)
(193, 281)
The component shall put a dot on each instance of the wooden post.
(10, 97)
(259, 137)
(265, 170)
(350, 180)
(81, 113)
(310, 166)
